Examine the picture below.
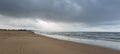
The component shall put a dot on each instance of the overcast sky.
(60, 15)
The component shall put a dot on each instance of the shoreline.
(26, 42)
(99, 43)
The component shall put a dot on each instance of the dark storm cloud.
(83, 11)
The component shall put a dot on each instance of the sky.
(60, 15)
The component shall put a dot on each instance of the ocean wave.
(102, 43)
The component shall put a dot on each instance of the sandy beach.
(26, 42)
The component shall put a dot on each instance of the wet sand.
(26, 42)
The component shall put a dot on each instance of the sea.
(103, 39)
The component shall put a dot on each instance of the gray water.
(103, 39)
(109, 36)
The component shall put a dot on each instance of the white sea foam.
(102, 43)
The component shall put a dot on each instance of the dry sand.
(25, 42)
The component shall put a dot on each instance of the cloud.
(86, 11)
(91, 13)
